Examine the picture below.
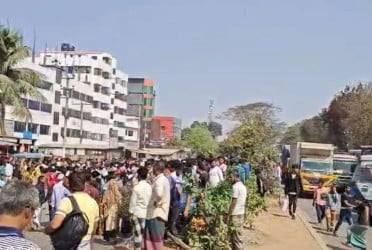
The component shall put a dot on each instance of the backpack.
(74, 228)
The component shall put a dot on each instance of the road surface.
(335, 243)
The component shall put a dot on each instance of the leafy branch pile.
(209, 229)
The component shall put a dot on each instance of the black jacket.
(292, 185)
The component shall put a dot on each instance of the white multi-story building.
(94, 91)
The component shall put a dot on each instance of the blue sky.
(295, 54)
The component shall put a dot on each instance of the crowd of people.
(145, 199)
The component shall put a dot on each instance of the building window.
(34, 105)
(45, 85)
(46, 107)
(32, 128)
(59, 76)
(114, 71)
(90, 99)
(112, 100)
(56, 118)
(87, 116)
(130, 133)
(94, 57)
(55, 137)
(96, 104)
(113, 86)
(111, 115)
(105, 106)
(75, 95)
(97, 88)
(97, 71)
(105, 91)
(44, 129)
(19, 126)
(57, 97)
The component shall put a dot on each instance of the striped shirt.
(12, 239)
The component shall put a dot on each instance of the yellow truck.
(316, 164)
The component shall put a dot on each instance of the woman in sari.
(110, 206)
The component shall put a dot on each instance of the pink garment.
(319, 200)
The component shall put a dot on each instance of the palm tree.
(15, 82)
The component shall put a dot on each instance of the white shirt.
(215, 176)
(239, 191)
(140, 199)
(160, 198)
(8, 170)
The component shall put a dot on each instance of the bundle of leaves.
(209, 229)
(255, 203)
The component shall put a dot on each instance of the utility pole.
(140, 126)
(210, 111)
(67, 92)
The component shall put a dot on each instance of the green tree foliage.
(184, 133)
(349, 116)
(256, 134)
(15, 82)
(292, 134)
(214, 127)
(200, 140)
(347, 122)
(310, 130)
(260, 115)
(314, 130)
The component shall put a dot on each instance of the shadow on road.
(337, 248)
(324, 232)
(313, 223)
(280, 215)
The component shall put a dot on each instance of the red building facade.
(164, 128)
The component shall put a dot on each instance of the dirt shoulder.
(275, 230)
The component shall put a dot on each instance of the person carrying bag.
(75, 227)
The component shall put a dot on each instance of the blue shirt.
(12, 238)
(177, 182)
(59, 192)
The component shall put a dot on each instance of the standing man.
(176, 193)
(292, 188)
(237, 210)
(158, 209)
(138, 204)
